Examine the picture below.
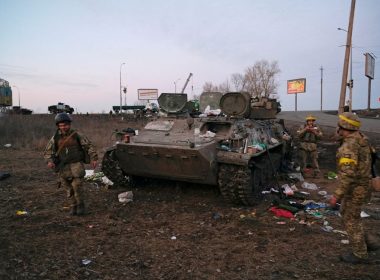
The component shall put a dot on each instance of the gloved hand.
(51, 165)
(333, 201)
(94, 163)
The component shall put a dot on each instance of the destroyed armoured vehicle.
(238, 149)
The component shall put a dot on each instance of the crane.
(187, 81)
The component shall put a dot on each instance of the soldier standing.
(309, 134)
(354, 167)
(66, 153)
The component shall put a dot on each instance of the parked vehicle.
(60, 108)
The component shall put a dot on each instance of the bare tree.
(209, 87)
(261, 78)
(224, 87)
(238, 81)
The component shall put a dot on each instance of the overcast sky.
(71, 50)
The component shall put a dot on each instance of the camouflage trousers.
(350, 212)
(313, 157)
(71, 177)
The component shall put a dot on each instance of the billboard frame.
(147, 93)
(295, 84)
(369, 66)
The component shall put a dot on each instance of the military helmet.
(62, 117)
(310, 118)
(349, 121)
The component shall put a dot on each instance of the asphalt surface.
(325, 119)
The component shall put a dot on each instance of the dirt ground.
(169, 231)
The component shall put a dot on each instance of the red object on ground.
(282, 213)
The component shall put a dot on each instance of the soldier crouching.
(66, 153)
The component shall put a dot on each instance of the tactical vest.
(309, 137)
(72, 150)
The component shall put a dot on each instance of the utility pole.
(121, 97)
(346, 58)
(321, 86)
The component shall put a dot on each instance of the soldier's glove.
(333, 202)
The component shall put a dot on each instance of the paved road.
(324, 119)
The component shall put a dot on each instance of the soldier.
(354, 167)
(309, 134)
(66, 153)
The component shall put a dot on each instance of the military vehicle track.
(112, 169)
(242, 184)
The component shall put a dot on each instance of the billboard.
(369, 66)
(147, 93)
(296, 86)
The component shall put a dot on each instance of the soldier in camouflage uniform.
(66, 152)
(354, 167)
(309, 134)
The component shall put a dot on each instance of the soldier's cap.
(349, 121)
(310, 118)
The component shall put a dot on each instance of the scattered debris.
(21, 213)
(4, 175)
(208, 134)
(326, 227)
(331, 175)
(340, 232)
(309, 186)
(281, 212)
(216, 216)
(322, 193)
(107, 181)
(364, 215)
(86, 261)
(125, 197)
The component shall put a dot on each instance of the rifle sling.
(63, 143)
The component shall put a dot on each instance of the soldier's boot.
(81, 209)
(373, 243)
(351, 258)
(73, 210)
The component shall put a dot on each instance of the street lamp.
(350, 84)
(121, 98)
(175, 85)
(18, 95)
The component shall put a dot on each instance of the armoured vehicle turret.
(237, 147)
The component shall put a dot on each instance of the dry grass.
(32, 132)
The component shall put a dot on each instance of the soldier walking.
(309, 134)
(66, 153)
(354, 167)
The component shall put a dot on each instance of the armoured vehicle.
(60, 108)
(239, 148)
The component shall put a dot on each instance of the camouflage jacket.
(308, 139)
(354, 167)
(72, 150)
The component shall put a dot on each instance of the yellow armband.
(347, 161)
